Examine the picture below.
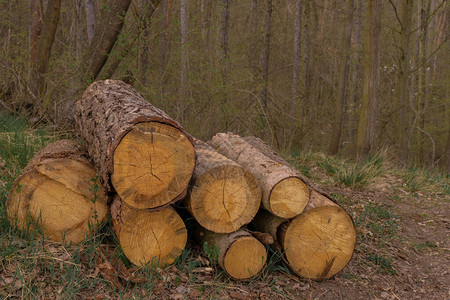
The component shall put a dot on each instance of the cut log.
(148, 238)
(284, 194)
(318, 243)
(224, 196)
(241, 255)
(138, 150)
(57, 191)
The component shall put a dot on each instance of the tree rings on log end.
(245, 258)
(225, 198)
(59, 196)
(320, 242)
(153, 164)
(288, 198)
(150, 238)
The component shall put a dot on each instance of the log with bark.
(284, 194)
(224, 196)
(318, 243)
(57, 191)
(240, 255)
(149, 238)
(138, 150)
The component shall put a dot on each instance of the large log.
(57, 191)
(149, 238)
(224, 196)
(240, 255)
(138, 150)
(318, 243)
(284, 194)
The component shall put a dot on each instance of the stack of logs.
(146, 162)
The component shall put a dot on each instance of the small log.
(148, 238)
(138, 150)
(57, 192)
(318, 243)
(224, 196)
(284, 194)
(241, 255)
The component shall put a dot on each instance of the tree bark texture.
(90, 19)
(149, 239)
(184, 52)
(241, 255)
(283, 192)
(297, 56)
(137, 148)
(367, 117)
(224, 48)
(57, 192)
(224, 196)
(341, 99)
(35, 28)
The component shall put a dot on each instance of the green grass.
(383, 263)
(378, 220)
(417, 179)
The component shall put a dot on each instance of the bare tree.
(35, 28)
(90, 19)
(366, 125)
(264, 60)
(39, 68)
(341, 101)
(297, 54)
(184, 55)
(224, 25)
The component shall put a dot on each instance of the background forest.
(344, 77)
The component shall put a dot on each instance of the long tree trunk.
(39, 68)
(367, 117)
(35, 28)
(264, 60)
(224, 25)
(184, 58)
(137, 149)
(341, 101)
(90, 19)
(297, 55)
(164, 43)
(403, 80)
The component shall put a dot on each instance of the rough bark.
(137, 149)
(283, 193)
(367, 117)
(90, 19)
(35, 28)
(57, 192)
(241, 255)
(224, 196)
(318, 243)
(224, 25)
(341, 99)
(184, 53)
(148, 238)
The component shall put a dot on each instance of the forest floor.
(402, 218)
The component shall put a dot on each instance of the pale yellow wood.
(288, 198)
(150, 238)
(58, 196)
(319, 242)
(224, 199)
(245, 258)
(153, 164)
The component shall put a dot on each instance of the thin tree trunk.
(252, 50)
(354, 98)
(184, 56)
(297, 55)
(403, 82)
(39, 68)
(203, 21)
(264, 60)
(341, 101)
(35, 28)
(90, 19)
(366, 125)
(224, 45)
